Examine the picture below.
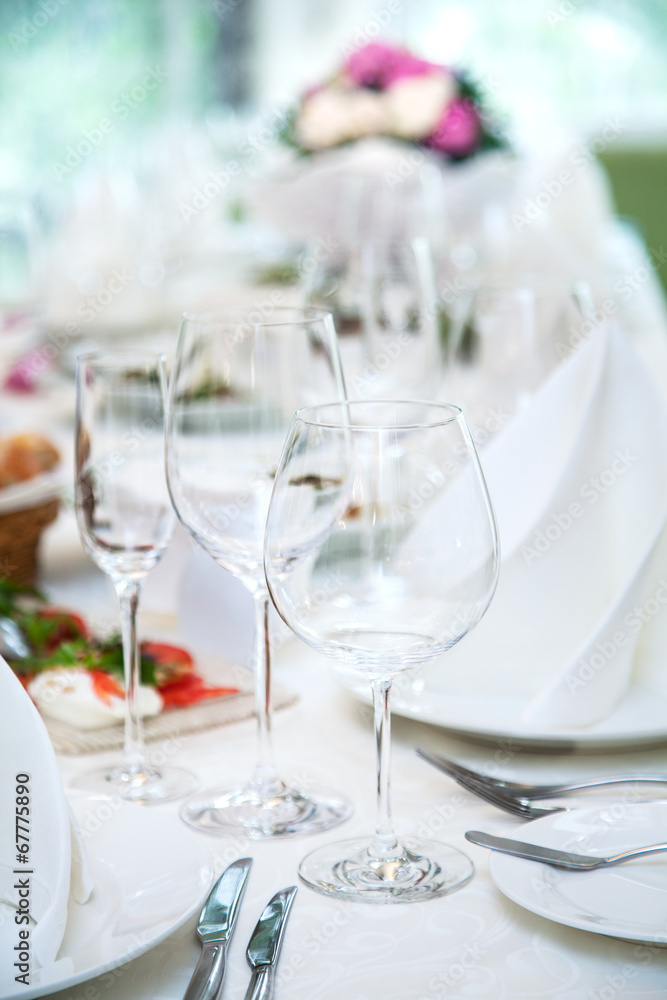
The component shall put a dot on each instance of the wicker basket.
(20, 531)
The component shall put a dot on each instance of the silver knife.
(215, 927)
(264, 945)
(561, 859)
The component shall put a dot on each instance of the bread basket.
(20, 533)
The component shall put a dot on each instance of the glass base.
(145, 786)
(415, 871)
(260, 815)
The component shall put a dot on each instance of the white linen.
(579, 485)
(57, 865)
(382, 188)
(32, 492)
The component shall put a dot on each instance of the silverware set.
(218, 917)
(518, 798)
(558, 859)
(216, 926)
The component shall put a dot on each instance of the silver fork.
(475, 783)
(514, 789)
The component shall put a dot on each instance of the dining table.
(476, 942)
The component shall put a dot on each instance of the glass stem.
(384, 843)
(265, 779)
(128, 594)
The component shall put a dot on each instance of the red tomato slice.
(105, 685)
(70, 626)
(190, 690)
(171, 662)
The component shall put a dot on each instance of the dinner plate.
(151, 874)
(627, 901)
(639, 720)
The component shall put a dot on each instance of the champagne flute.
(125, 521)
(237, 379)
(386, 502)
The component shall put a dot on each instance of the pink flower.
(408, 65)
(377, 65)
(21, 377)
(458, 131)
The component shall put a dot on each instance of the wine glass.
(382, 296)
(381, 506)
(237, 379)
(125, 521)
(504, 338)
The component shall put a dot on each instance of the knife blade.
(215, 928)
(264, 946)
(532, 852)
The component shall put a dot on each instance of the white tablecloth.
(474, 943)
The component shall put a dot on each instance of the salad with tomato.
(78, 677)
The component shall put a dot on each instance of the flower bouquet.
(382, 90)
(387, 147)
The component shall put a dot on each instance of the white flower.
(414, 104)
(367, 114)
(323, 120)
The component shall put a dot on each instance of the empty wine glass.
(126, 521)
(237, 379)
(382, 510)
(382, 296)
(504, 339)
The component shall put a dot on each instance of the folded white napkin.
(34, 892)
(578, 481)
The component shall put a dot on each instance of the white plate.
(628, 901)
(639, 720)
(151, 874)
